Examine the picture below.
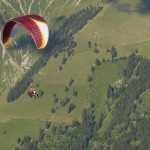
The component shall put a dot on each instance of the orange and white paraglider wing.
(34, 24)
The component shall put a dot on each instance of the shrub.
(75, 93)
(47, 125)
(66, 89)
(52, 110)
(65, 101)
(92, 68)
(55, 55)
(89, 44)
(71, 82)
(97, 62)
(71, 108)
(96, 50)
(60, 67)
(89, 78)
(64, 60)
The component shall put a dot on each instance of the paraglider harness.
(32, 93)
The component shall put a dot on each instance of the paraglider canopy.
(34, 24)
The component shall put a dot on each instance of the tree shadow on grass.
(143, 7)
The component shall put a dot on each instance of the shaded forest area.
(59, 40)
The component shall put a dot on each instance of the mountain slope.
(54, 12)
(126, 29)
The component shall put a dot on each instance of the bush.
(92, 68)
(65, 101)
(71, 82)
(66, 89)
(70, 52)
(18, 140)
(71, 108)
(54, 129)
(92, 104)
(4, 132)
(47, 125)
(113, 52)
(75, 93)
(54, 95)
(64, 60)
(96, 50)
(89, 44)
(108, 51)
(55, 55)
(41, 135)
(95, 44)
(89, 78)
(136, 51)
(113, 49)
(75, 123)
(52, 110)
(97, 62)
(60, 67)
(55, 100)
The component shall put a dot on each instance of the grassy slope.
(107, 73)
(9, 131)
(111, 27)
(31, 110)
(50, 10)
(125, 30)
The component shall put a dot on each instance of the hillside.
(54, 12)
(99, 59)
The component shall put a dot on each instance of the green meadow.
(127, 31)
(9, 131)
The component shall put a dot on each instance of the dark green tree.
(52, 110)
(110, 92)
(96, 51)
(89, 44)
(97, 62)
(75, 93)
(89, 78)
(71, 82)
(71, 108)
(66, 89)
(47, 124)
(64, 60)
(41, 135)
(92, 68)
